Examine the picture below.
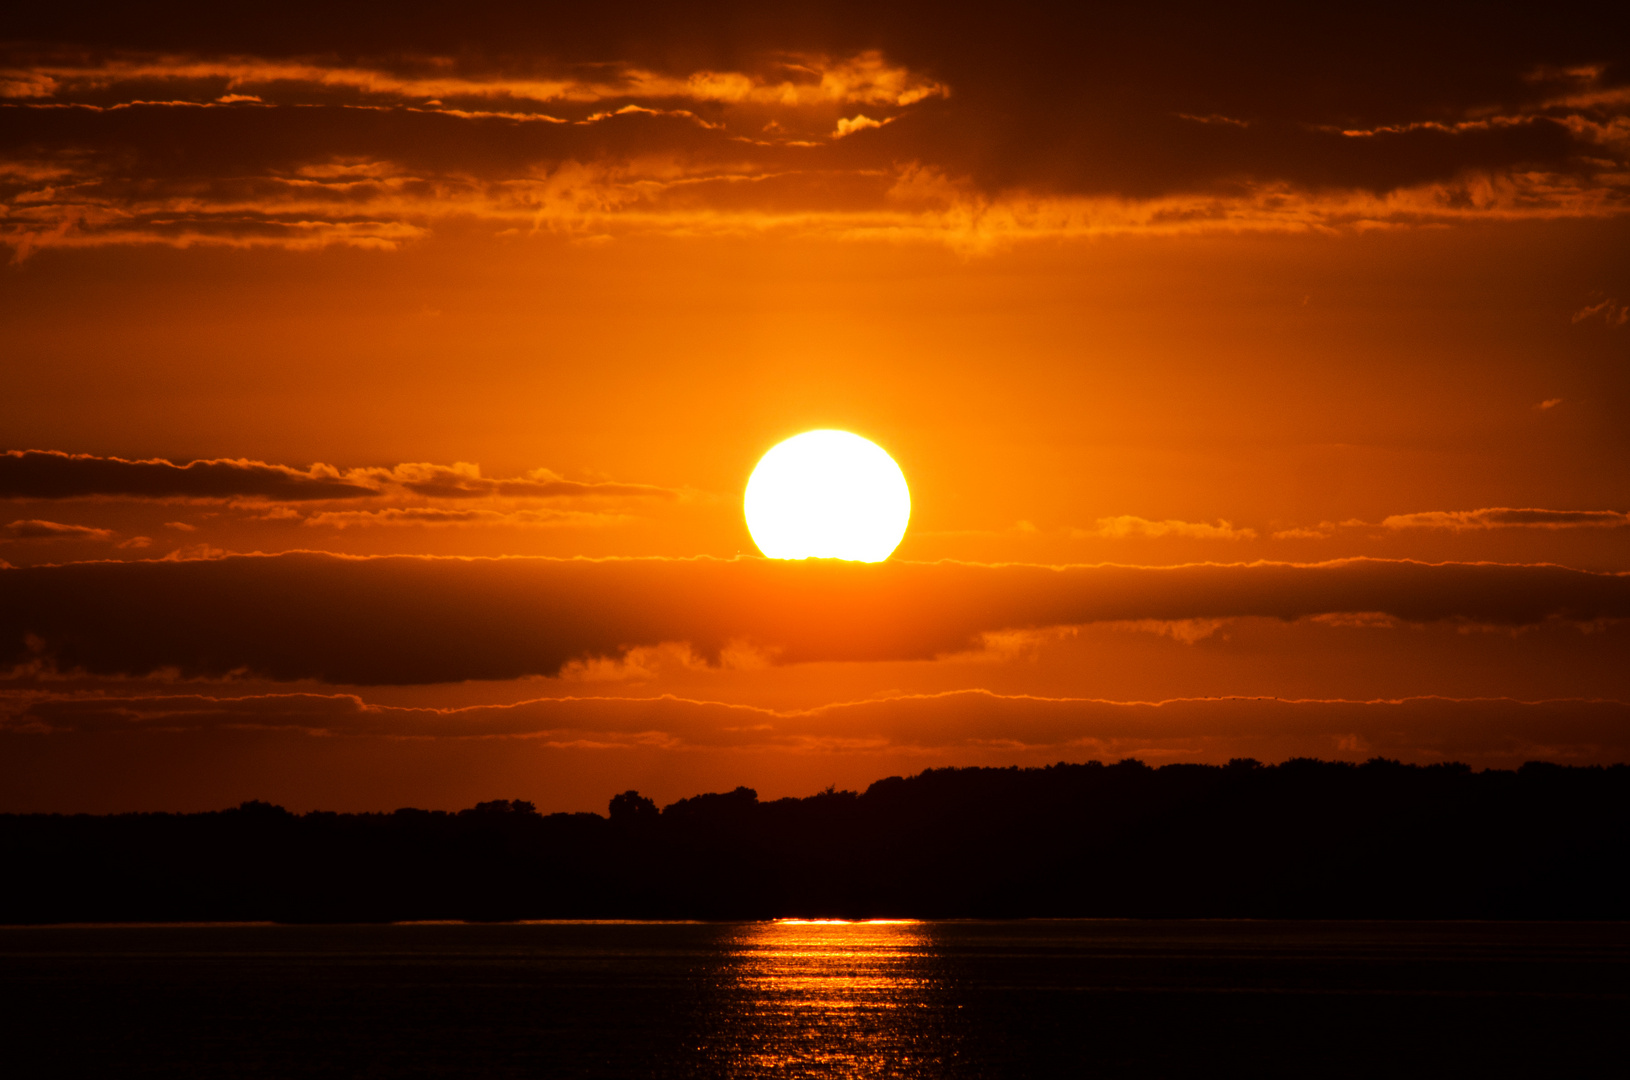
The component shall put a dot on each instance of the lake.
(801, 999)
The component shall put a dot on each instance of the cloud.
(1493, 517)
(1187, 631)
(372, 156)
(1324, 531)
(432, 516)
(1049, 127)
(404, 619)
(790, 81)
(195, 553)
(1117, 528)
(1498, 731)
(848, 125)
(1609, 311)
(716, 186)
(464, 481)
(50, 530)
(1502, 517)
(51, 474)
(1357, 620)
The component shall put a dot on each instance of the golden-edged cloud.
(233, 493)
(309, 152)
(1505, 517)
(405, 620)
(864, 78)
(52, 475)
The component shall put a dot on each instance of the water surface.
(798, 999)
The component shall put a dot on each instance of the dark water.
(811, 999)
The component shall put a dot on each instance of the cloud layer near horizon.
(411, 620)
(319, 751)
(1442, 727)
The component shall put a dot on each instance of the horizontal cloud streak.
(51, 474)
(1126, 525)
(35, 529)
(1420, 728)
(865, 78)
(1502, 517)
(438, 517)
(716, 187)
(464, 481)
(402, 620)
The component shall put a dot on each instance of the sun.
(827, 495)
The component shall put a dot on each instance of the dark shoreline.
(1300, 840)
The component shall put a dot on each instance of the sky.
(380, 392)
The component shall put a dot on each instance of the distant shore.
(1303, 839)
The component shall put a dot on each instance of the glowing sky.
(1316, 328)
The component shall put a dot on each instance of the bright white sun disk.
(827, 495)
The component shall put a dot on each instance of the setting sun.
(827, 495)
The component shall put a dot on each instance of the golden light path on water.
(833, 998)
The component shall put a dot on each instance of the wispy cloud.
(848, 125)
(1609, 311)
(1323, 531)
(1187, 631)
(463, 480)
(1489, 517)
(305, 153)
(55, 475)
(1116, 528)
(35, 529)
(51, 474)
(1502, 517)
(725, 192)
(788, 81)
(439, 517)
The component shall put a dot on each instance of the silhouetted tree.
(503, 806)
(633, 808)
(1302, 838)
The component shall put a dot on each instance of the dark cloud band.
(35, 529)
(51, 474)
(406, 620)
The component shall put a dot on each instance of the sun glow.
(827, 495)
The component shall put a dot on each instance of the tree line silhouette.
(1305, 838)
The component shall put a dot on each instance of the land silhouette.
(1304, 838)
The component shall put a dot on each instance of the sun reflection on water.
(823, 997)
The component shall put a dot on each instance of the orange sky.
(1111, 288)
